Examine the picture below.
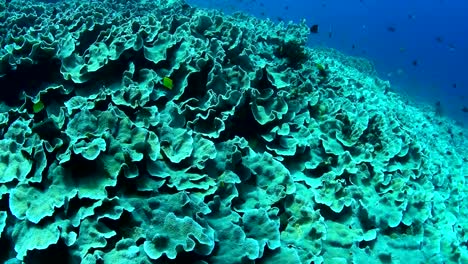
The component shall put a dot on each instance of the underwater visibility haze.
(151, 131)
(421, 46)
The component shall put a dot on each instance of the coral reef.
(154, 132)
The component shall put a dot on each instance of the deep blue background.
(424, 56)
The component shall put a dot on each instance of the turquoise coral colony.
(155, 132)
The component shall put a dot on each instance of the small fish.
(37, 107)
(451, 47)
(415, 62)
(454, 85)
(168, 83)
(314, 29)
(439, 39)
(465, 109)
(438, 108)
(391, 29)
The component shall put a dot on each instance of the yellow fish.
(167, 82)
(37, 107)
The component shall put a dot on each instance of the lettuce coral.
(255, 154)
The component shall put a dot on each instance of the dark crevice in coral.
(243, 124)
(371, 171)
(168, 190)
(367, 244)
(124, 186)
(263, 82)
(41, 186)
(329, 214)
(268, 254)
(399, 160)
(283, 216)
(140, 241)
(47, 130)
(6, 245)
(57, 253)
(385, 258)
(171, 58)
(124, 227)
(175, 24)
(140, 62)
(4, 202)
(75, 204)
(237, 202)
(112, 72)
(79, 169)
(184, 257)
(162, 67)
(232, 54)
(366, 222)
(108, 75)
(88, 37)
(196, 87)
(320, 170)
(314, 111)
(39, 75)
(372, 134)
(401, 229)
(194, 170)
(346, 177)
(103, 105)
(160, 103)
(296, 162)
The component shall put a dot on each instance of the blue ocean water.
(421, 46)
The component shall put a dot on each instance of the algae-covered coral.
(244, 159)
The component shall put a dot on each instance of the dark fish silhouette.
(454, 85)
(438, 108)
(439, 39)
(465, 109)
(415, 62)
(391, 29)
(314, 29)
